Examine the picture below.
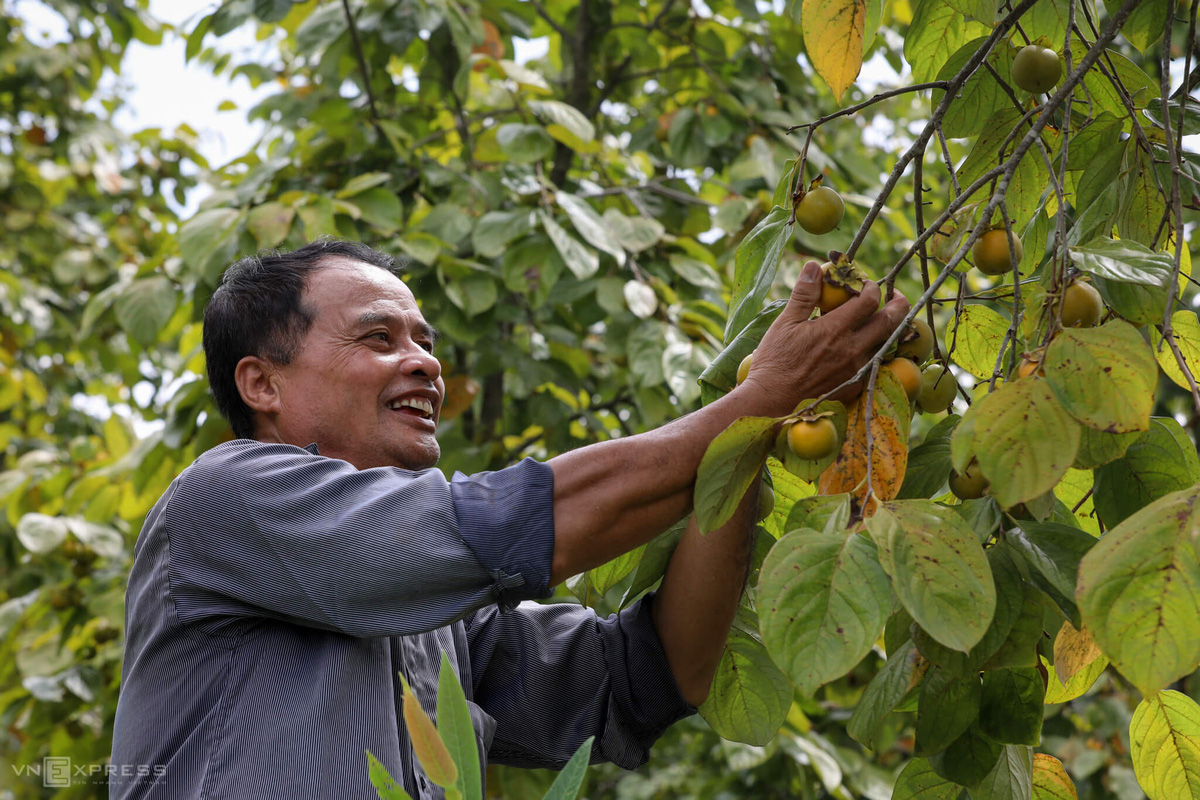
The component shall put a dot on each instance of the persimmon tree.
(602, 228)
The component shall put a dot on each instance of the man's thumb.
(807, 291)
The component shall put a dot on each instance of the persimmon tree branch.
(362, 67)
(1005, 172)
(1176, 200)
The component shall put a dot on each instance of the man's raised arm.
(612, 497)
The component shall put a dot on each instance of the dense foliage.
(596, 231)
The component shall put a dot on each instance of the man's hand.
(801, 358)
(613, 496)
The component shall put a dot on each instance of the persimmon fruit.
(820, 210)
(990, 252)
(813, 439)
(970, 484)
(938, 389)
(1036, 69)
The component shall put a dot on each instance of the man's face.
(365, 362)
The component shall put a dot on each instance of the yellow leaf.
(1074, 651)
(1050, 780)
(1164, 739)
(427, 743)
(1185, 330)
(889, 432)
(833, 37)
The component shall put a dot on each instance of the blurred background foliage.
(570, 220)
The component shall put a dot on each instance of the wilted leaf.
(1050, 780)
(1113, 355)
(888, 454)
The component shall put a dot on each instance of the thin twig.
(362, 66)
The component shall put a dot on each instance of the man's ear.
(257, 383)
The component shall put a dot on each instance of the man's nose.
(420, 361)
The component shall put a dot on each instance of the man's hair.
(258, 309)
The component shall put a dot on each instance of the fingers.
(858, 309)
(877, 328)
(807, 291)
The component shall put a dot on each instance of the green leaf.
(1137, 592)
(918, 781)
(1011, 778)
(41, 533)
(387, 787)
(635, 234)
(1164, 740)
(566, 785)
(754, 269)
(1020, 648)
(496, 229)
(1053, 552)
(1145, 25)
(145, 307)
(653, 563)
(1050, 780)
(823, 599)
(948, 706)
(524, 144)
(208, 240)
(590, 226)
(360, 183)
(1010, 597)
(937, 31)
(1161, 460)
(928, 466)
(380, 208)
(721, 375)
(569, 117)
(750, 697)
(1024, 439)
(1142, 211)
(697, 273)
(1010, 711)
(885, 691)
(457, 731)
(981, 96)
(969, 759)
(270, 223)
(730, 465)
(826, 513)
(1048, 18)
(1124, 262)
(1097, 448)
(981, 10)
(938, 570)
(582, 262)
(978, 333)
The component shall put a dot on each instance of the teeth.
(424, 406)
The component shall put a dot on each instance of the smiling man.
(286, 577)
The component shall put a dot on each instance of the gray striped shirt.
(276, 594)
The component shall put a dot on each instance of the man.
(286, 577)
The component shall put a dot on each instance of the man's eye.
(382, 335)
(427, 346)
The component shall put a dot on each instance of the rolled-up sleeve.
(553, 675)
(277, 531)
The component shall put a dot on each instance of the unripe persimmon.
(990, 252)
(939, 387)
(1082, 306)
(744, 368)
(970, 485)
(919, 347)
(766, 502)
(1036, 69)
(813, 440)
(909, 375)
(820, 210)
